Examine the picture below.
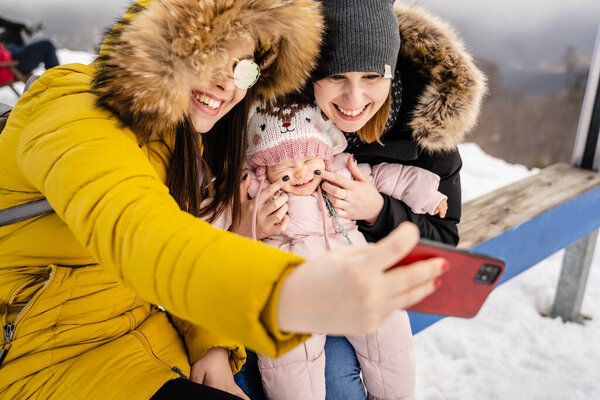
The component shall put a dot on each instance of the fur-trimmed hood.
(151, 58)
(446, 109)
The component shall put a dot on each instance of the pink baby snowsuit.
(385, 355)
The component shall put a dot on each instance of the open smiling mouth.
(351, 114)
(301, 185)
(207, 103)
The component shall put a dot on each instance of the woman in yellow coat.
(114, 147)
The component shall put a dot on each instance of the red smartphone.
(464, 288)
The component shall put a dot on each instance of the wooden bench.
(529, 220)
(507, 209)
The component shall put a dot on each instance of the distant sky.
(516, 34)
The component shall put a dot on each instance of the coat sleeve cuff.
(434, 200)
(199, 340)
(381, 227)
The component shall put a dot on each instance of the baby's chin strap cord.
(255, 206)
(325, 200)
(323, 215)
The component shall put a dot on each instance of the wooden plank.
(491, 215)
(536, 239)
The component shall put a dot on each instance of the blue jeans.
(341, 373)
(342, 379)
(31, 55)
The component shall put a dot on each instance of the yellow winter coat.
(80, 286)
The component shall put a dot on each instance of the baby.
(291, 140)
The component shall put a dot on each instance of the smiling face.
(351, 99)
(303, 180)
(211, 103)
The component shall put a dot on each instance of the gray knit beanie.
(361, 35)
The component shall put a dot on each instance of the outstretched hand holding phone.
(352, 290)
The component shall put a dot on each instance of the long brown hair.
(215, 172)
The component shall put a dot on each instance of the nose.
(354, 93)
(286, 124)
(226, 84)
(302, 173)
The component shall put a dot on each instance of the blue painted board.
(535, 240)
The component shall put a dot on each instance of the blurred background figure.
(29, 55)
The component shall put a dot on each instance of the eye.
(263, 127)
(235, 64)
(337, 77)
(372, 76)
(308, 120)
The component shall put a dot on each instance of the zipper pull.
(9, 330)
(180, 372)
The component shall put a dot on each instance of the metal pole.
(586, 154)
(573, 279)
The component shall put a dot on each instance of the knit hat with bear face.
(289, 130)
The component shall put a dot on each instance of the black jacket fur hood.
(153, 55)
(442, 87)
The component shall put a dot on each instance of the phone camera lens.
(487, 274)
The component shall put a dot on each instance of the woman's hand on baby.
(351, 290)
(353, 199)
(213, 370)
(271, 216)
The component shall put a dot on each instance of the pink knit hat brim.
(291, 150)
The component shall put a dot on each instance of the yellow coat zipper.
(9, 327)
(142, 338)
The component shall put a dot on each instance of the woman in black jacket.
(415, 116)
(398, 81)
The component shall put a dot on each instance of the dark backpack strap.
(24, 211)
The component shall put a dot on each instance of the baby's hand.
(441, 208)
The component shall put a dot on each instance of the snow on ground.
(508, 351)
